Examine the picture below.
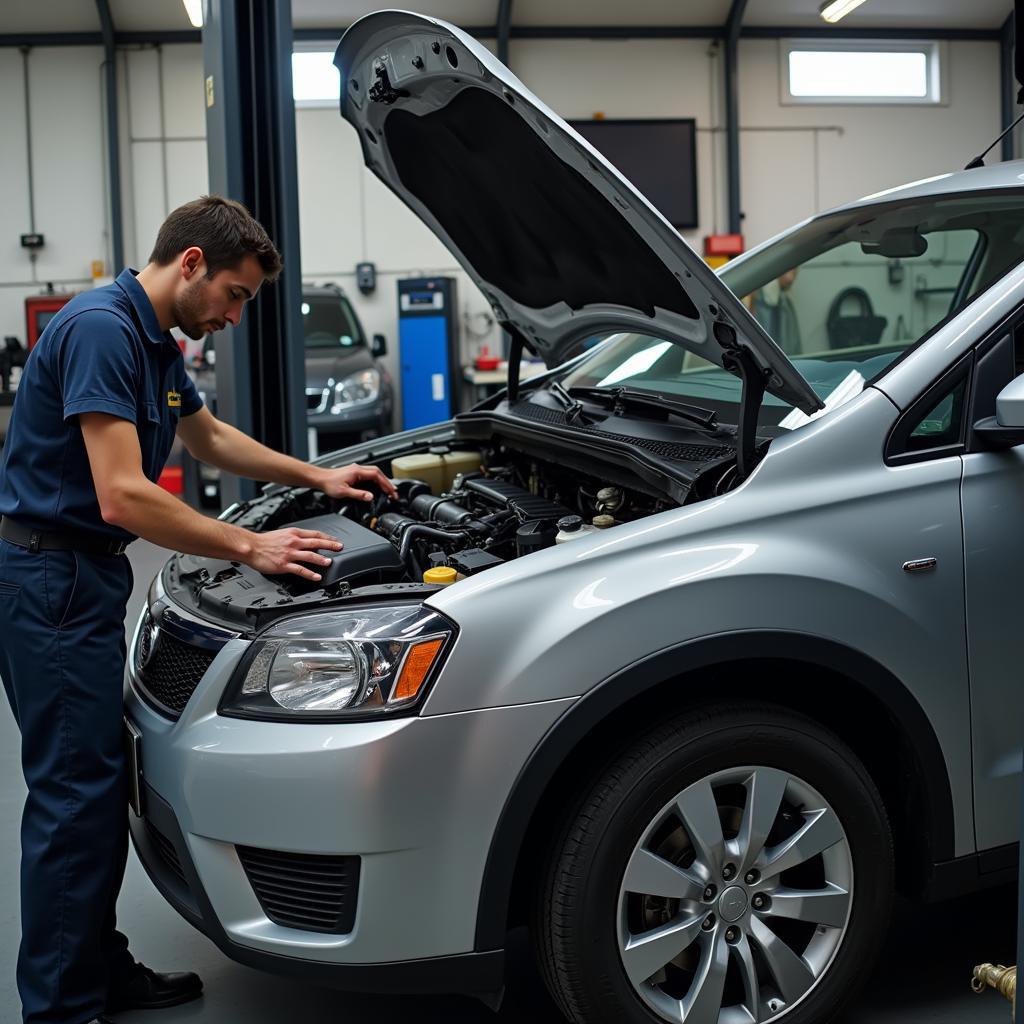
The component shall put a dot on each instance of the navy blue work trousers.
(62, 656)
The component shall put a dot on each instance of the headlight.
(356, 389)
(363, 662)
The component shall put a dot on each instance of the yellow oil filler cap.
(443, 574)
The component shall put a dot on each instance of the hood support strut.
(738, 360)
(515, 357)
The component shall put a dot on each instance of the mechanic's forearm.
(234, 452)
(150, 512)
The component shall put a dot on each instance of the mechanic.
(103, 394)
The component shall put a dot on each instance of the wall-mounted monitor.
(658, 156)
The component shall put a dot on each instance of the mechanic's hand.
(281, 551)
(342, 483)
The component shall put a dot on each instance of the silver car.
(730, 656)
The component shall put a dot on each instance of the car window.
(329, 322)
(847, 300)
(941, 425)
(935, 425)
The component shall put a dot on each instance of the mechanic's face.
(206, 304)
(786, 280)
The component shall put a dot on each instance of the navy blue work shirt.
(103, 352)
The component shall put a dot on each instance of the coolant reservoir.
(459, 462)
(443, 574)
(572, 528)
(428, 468)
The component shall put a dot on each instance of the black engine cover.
(366, 557)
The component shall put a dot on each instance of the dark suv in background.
(348, 392)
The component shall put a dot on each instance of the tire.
(672, 810)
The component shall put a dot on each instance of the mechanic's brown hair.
(223, 228)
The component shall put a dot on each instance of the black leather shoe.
(143, 989)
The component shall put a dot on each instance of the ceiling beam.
(611, 32)
(188, 35)
(974, 35)
(20, 39)
(334, 33)
(97, 38)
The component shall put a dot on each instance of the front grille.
(666, 449)
(165, 850)
(304, 890)
(168, 669)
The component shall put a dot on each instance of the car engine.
(508, 507)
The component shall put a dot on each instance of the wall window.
(315, 79)
(822, 71)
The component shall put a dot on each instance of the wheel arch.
(869, 708)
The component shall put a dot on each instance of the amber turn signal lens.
(414, 671)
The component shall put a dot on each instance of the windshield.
(844, 297)
(328, 322)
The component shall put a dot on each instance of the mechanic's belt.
(59, 540)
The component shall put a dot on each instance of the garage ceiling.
(169, 15)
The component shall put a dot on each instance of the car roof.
(315, 291)
(1008, 175)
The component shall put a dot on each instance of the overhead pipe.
(732, 114)
(28, 142)
(1006, 81)
(113, 136)
(504, 24)
(33, 254)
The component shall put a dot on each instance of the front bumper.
(164, 853)
(415, 799)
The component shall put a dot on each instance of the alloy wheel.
(736, 899)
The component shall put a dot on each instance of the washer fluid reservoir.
(572, 528)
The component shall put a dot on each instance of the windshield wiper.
(573, 408)
(623, 398)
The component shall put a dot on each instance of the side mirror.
(1006, 428)
(379, 346)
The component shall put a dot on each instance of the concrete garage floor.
(923, 977)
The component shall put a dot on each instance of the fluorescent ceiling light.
(834, 10)
(194, 10)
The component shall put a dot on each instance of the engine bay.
(466, 510)
(461, 508)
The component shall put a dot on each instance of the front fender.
(628, 684)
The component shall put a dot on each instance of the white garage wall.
(795, 159)
(70, 176)
(641, 78)
(164, 141)
(68, 172)
(827, 155)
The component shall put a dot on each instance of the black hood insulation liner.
(546, 235)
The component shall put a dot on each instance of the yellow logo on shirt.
(174, 399)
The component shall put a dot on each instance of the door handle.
(920, 565)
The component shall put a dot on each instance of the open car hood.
(558, 241)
